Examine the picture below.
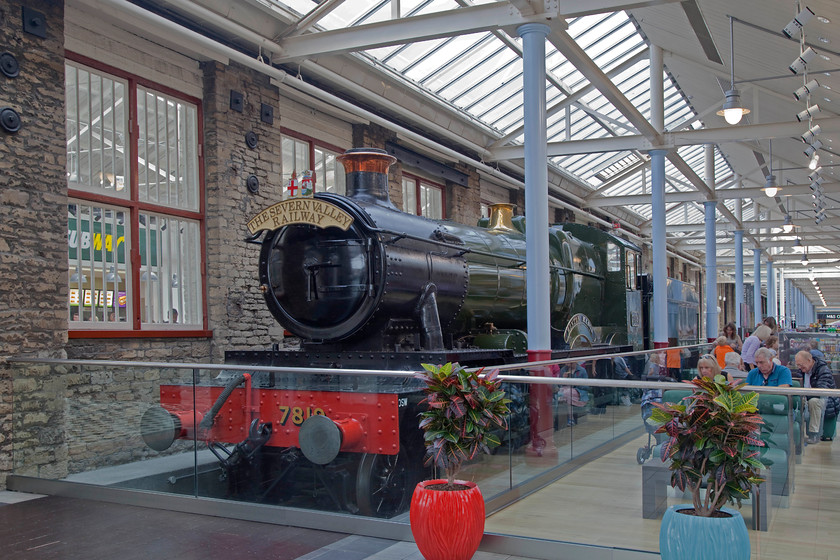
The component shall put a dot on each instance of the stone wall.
(463, 204)
(33, 206)
(236, 307)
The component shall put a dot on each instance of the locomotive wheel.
(384, 484)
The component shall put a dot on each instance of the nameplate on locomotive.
(300, 211)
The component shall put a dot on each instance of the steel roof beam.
(720, 194)
(672, 140)
(461, 21)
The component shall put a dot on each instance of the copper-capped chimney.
(366, 172)
(501, 218)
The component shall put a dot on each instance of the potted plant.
(465, 411)
(714, 436)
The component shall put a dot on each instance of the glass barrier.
(579, 462)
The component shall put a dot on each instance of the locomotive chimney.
(501, 218)
(367, 175)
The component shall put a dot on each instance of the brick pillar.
(33, 228)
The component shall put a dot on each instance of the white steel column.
(711, 249)
(711, 273)
(536, 185)
(756, 289)
(783, 314)
(771, 290)
(657, 189)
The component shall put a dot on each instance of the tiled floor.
(34, 527)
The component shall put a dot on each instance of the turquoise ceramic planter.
(689, 537)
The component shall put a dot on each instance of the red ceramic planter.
(447, 525)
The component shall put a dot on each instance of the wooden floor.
(601, 504)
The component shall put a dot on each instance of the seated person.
(768, 373)
(622, 371)
(753, 342)
(734, 365)
(578, 397)
(730, 332)
(814, 345)
(773, 344)
(816, 374)
(720, 350)
(707, 366)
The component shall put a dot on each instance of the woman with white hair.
(753, 343)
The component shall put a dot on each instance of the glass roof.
(481, 75)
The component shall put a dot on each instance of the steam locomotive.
(364, 285)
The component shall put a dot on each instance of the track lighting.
(802, 60)
(808, 88)
(816, 175)
(806, 114)
(797, 23)
(811, 134)
(815, 161)
(812, 149)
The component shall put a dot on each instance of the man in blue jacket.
(768, 373)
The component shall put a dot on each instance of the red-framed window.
(135, 214)
(302, 153)
(422, 197)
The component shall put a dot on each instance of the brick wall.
(33, 206)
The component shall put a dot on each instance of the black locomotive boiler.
(364, 285)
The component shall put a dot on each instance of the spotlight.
(812, 149)
(810, 87)
(815, 161)
(797, 23)
(815, 176)
(805, 259)
(802, 60)
(806, 114)
(812, 133)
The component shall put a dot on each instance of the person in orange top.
(720, 350)
(673, 361)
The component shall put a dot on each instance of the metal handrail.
(533, 380)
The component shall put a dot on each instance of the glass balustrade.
(578, 464)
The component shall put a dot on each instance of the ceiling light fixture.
(797, 23)
(732, 110)
(802, 60)
(815, 162)
(812, 149)
(770, 187)
(812, 133)
(807, 113)
(805, 259)
(804, 90)
(788, 225)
